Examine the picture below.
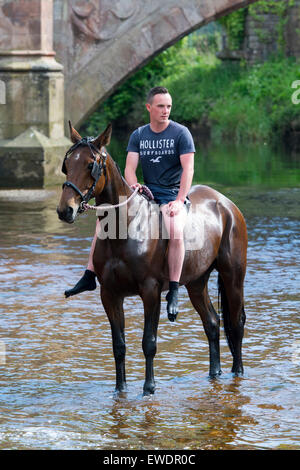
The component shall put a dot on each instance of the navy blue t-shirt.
(160, 152)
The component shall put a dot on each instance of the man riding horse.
(147, 266)
(165, 150)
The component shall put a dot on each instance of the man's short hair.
(157, 90)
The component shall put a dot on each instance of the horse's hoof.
(148, 389)
(215, 375)
(120, 392)
(237, 371)
(172, 316)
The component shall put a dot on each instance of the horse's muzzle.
(67, 215)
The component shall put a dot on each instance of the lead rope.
(88, 206)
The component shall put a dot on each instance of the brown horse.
(215, 238)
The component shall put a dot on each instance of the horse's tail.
(224, 309)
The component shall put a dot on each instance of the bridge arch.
(101, 43)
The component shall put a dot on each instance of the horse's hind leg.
(231, 265)
(150, 293)
(198, 294)
(113, 306)
(232, 305)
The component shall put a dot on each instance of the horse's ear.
(75, 136)
(104, 138)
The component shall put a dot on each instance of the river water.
(56, 365)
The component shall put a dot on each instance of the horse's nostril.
(66, 214)
(69, 212)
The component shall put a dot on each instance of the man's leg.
(176, 251)
(88, 280)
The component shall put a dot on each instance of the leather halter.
(96, 170)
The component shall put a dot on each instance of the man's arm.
(132, 161)
(187, 163)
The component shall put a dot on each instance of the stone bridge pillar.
(32, 141)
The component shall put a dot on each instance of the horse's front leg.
(113, 305)
(150, 293)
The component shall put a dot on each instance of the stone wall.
(292, 30)
(32, 139)
(262, 36)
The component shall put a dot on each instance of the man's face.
(160, 108)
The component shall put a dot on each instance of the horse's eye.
(90, 166)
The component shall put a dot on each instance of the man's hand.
(174, 207)
(137, 185)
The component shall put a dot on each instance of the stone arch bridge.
(60, 58)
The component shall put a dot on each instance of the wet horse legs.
(113, 306)
(198, 294)
(150, 294)
(232, 303)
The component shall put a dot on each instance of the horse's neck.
(116, 191)
(115, 186)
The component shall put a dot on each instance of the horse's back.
(212, 220)
(204, 196)
(201, 193)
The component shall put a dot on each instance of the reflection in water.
(252, 166)
(58, 376)
(205, 420)
(230, 165)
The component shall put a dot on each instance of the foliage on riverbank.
(250, 103)
(231, 100)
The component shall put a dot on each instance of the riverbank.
(240, 103)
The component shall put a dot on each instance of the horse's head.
(84, 166)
